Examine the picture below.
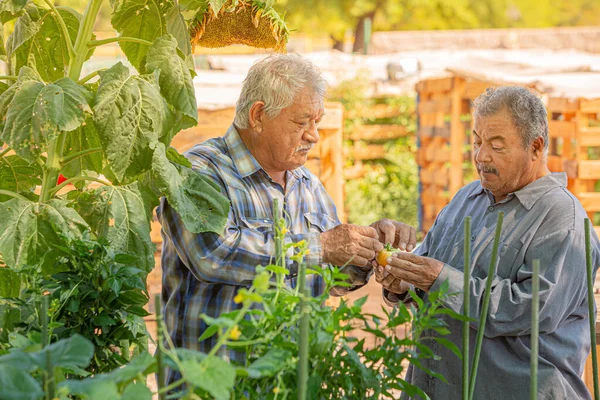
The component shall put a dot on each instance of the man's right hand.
(350, 244)
(389, 281)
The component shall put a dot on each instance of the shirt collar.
(244, 161)
(532, 192)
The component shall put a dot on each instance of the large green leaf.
(214, 375)
(196, 199)
(16, 384)
(10, 283)
(2, 48)
(18, 175)
(11, 9)
(83, 138)
(177, 27)
(118, 213)
(143, 19)
(28, 230)
(73, 352)
(269, 364)
(37, 112)
(47, 50)
(26, 27)
(130, 116)
(175, 79)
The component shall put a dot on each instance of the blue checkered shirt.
(203, 272)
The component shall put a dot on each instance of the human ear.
(256, 116)
(537, 147)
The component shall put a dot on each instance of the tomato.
(384, 254)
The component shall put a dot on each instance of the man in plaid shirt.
(260, 159)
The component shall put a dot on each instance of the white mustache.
(487, 168)
(302, 148)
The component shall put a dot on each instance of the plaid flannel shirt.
(203, 272)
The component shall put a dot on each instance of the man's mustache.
(305, 147)
(487, 168)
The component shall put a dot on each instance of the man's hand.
(401, 236)
(350, 244)
(389, 281)
(420, 271)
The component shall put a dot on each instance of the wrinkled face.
(503, 164)
(286, 139)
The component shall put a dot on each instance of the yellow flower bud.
(235, 333)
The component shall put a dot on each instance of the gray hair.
(276, 80)
(524, 106)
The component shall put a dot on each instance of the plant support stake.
(304, 334)
(486, 303)
(466, 309)
(590, 287)
(160, 374)
(535, 328)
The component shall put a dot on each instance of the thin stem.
(52, 167)
(485, 305)
(224, 336)
(65, 160)
(90, 76)
(171, 386)
(77, 179)
(63, 27)
(303, 353)
(3, 152)
(49, 370)
(9, 77)
(535, 328)
(83, 38)
(160, 378)
(466, 309)
(592, 315)
(279, 255)
(96, 43)
(13, 194)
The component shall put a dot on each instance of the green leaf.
(177, 27)
(38, 111)
(2, 48)
(137, 391)
(26, 27)
(214, 375)
(269, 364)
(130, 116)
(208, 332)
(143, 19)
(196, 199)
(449, 345)
(74, 352)
(28, 229)
(16, 384)
(118, 214)
(199, 6)
(19, 359)
(175, 78)
(18, 175)
(176, 158)
(83, 138)
(216, 5)
(11, 9)
(10, 283)
(46, 51)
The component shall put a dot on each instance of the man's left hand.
(401, 236)
(411, 268)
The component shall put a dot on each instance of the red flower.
(60, 179)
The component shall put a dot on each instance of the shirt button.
(490, 208)
(473, 237)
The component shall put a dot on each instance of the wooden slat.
(379, 132)
(589, 136)
(564, 129)
(379, 111)
(155, 232)
(333, 117)
(588, 169)
(589, 106)
(435, 131)
(437, 154)
(562, 105)
(555, 164)
(370, 152)
(590, 201)
(435, 106)
(435, 85)
(475, 88)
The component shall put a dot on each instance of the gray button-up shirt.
(542, 221)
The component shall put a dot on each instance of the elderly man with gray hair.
(544, 221)
(259, 159)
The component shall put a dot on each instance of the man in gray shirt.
(544, 221)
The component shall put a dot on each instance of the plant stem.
(49, 370)
(77, 179)
(535, 328)
(96, 43)
(466, 308)
(160, 375)
(486, 304)
(224, 336)
(90, 76)
(303, 353)
(13, 194)
(279, 255)
(590, 287)
(65, 160)
(83, 38)
(6, 150)
(63, 27)
(9, 77)
(52, 167)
